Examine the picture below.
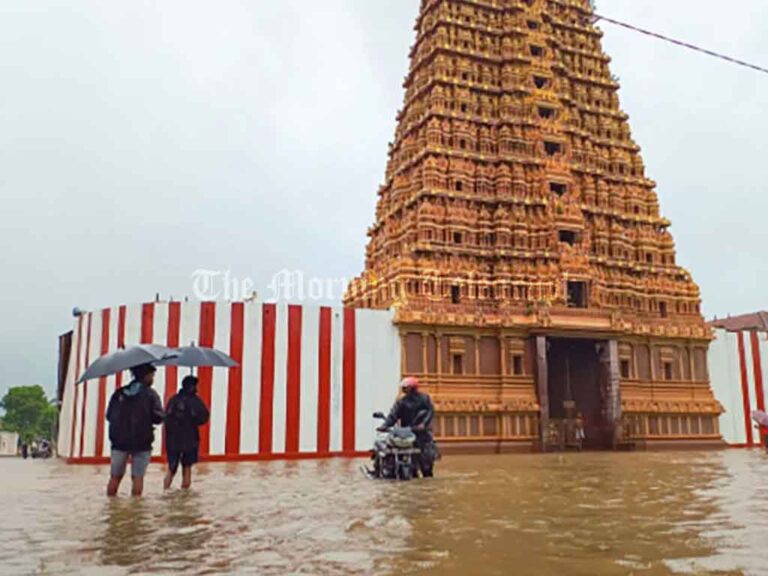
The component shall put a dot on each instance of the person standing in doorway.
(133, 412)
(186, 412)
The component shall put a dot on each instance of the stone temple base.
(516, 391)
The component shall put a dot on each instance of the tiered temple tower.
(521, 243)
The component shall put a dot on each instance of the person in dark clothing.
(415, 410)
(185, 413)
(133, 412)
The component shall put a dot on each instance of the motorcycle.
(42, 450)
(393, 454)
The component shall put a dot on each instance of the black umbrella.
(125, 359)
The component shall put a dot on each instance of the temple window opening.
(577, 294)
(457, 364)
(546, 113)
(517, 365)
(455, 295)
(553, 148)
(567, 237)
(558, 188)
(625, 369)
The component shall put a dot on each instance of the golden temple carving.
(515, 202)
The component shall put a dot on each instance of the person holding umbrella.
(133, 412)
(185, 413)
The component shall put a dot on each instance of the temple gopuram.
(521, 244)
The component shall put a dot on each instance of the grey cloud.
(254, 135)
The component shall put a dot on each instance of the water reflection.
(568, 514)
(157, 535)
(595, 514)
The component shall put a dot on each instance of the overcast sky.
(141, 141)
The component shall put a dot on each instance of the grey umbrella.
(196, 356)
(125, 359)
(760, 417)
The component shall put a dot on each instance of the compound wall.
(737, 367)
(309, 377)
(308, 382)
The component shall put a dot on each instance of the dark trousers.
(425, 460)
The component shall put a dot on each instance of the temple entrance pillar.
(542, 383)
(611, 390)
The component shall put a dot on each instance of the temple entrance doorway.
(576, 377)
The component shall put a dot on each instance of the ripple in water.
(590, 514)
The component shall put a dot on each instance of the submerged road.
(575, 514)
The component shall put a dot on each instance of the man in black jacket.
(415, 410)
(133, 412)
(185, 413)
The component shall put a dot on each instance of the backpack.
(179, 408)
(181, 423)
(130, 425)
(187, 409)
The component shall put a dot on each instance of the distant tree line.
(28, 412)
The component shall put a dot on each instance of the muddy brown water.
(590, 514)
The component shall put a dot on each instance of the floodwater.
(580, 514)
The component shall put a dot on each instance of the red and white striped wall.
(308, 382)
(738, 367)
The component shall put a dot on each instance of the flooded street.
(590, 514)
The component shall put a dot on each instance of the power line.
(683, 44)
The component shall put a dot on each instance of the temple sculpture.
(521, 244)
